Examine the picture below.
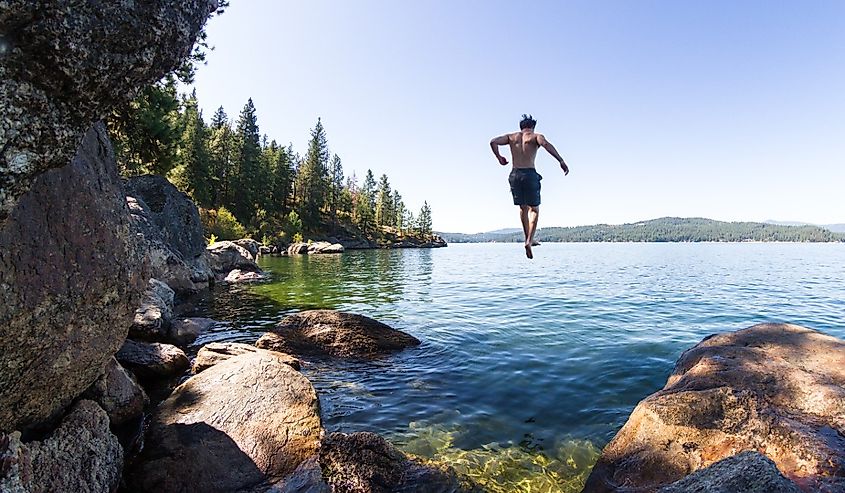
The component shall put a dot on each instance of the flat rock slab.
(241, 425)
(215, 352)
(152, 360)
(334, 333)
(775, 388)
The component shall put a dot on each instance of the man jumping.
(524, 179)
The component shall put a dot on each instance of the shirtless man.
(524, 179)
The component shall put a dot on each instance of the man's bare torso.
(524, 147)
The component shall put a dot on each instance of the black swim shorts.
(525, 186)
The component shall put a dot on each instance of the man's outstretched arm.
(501, 140)
(551, 150)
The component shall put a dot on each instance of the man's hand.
(502, 160)
(565, 168)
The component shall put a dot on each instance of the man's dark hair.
(527, 121)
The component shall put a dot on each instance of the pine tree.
(221, 157)
(194, 163)
(247, 175)
(424, 221)
(384, 203)
(312, 178)
(336, 171)
(398, 212)
(369, 189)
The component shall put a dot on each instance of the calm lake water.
(528, 368)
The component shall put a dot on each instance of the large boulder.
(324, 247)
(65, 65)
(172, 232)
(774, 388)
(118, 393)
(226, 256)
(70, 278)
(334, 333)
(215, 352)
(250, 245)
(748, 472)
(80, 455)
(152, 319)
(241, 425)
(152, 360)
(367, 463)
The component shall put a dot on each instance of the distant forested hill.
(666, 229)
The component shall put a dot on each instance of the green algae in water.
(507, 469)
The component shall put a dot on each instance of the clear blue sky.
(721, 109)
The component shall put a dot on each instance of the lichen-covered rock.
(152, 319)
(64, 65)
(80, 455)
(152, 360)
(775, 388)
(215, 352)
(118, 393)
(367, 463)
(241, 425)
(71, 277)
(748, 472)
(226, 256)
(184, 331)
(334, 333)
(172, 233)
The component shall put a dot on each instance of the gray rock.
(80, 455)
(152, 360)
(324, 247)
(215, 352)
(172, 233)
(298, 249)
(226, 256)
(307, 478)
(238, 276)
(367, 463)
(748, 472)
(65, 65)
(184, 331)
(152, 319)
(71, 277)
(118, 393)
(242, 425)
(250, 245)
(265, 250)
(334, 333)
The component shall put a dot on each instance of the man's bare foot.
(528, 252)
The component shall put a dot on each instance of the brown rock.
(80, 455)
(152, 360)
(118, 393)
(336, 334)
(367, 463)
(243, 424)
(215, 352)
(152, 318)
(775, 388)
(70, 278)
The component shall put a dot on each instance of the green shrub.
(221, 224)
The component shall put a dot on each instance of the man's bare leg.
(523, 216)
(533, 216)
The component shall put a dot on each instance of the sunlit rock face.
(65, 64)
(777, 389)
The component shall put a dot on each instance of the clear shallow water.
(527, 368)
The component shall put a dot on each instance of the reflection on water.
(526, 369)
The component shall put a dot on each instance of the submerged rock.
(336, 334)
(80, 455)
(71, 276)
(184, 331)
(152, 360)
(215, 352)
(238, 276)
(367, 463)
(118, 393)
(242, 425)
(748, 472)
(172, 233)
(775, 388)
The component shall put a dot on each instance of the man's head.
(527, 121)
